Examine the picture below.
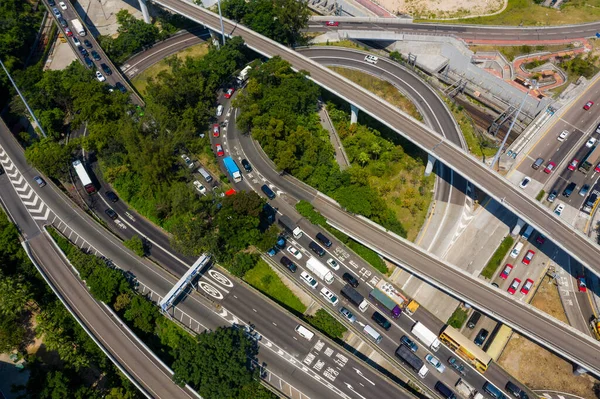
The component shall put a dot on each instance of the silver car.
(348, 315)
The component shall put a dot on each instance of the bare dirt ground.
(437, 9)
(548, 371)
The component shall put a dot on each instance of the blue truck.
(232, 169)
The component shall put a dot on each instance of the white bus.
(84, 177)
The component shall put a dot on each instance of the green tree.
(142, 313)
(242, 262)
(50, 157)
(14, 295)
(269, 238)
(217, 364)
(136, 244)
(56, 386)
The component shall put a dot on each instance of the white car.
(76, 41)
(371, 59)
(563, 135)
(330, 296)
(187, 160)
(308, 279)
(294, 252)
(524, 182)
(100, 77)
(435, 362)
(559, 208)
(333, 264)
(62, 5)
(201, 189)
(590, 143)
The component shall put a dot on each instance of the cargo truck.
(355, 298)
(84, 177)
(590, 160)
(232, 169)
(320, 270)
(517, 229)
(466, 390)
(287, 223)
(590, 202)
(407, 356)
(412, 307)
(385, 303)
(243, 74)
(426, 336)
(392, 293)
(78, 27)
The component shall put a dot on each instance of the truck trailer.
(78, 27)
(466, 390)
(287, 223)
(385, 303)
(426, 336)
(232, 169)
(355, 298)
(408, 357)
(320, 270)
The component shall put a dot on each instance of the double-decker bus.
(465, 348)
(84, 177)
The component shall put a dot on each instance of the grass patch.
(140, 82)
(264, 279)
(458, 318)
(497, 258)
(527, 13)
(308, 211)
(382, 89)
(343, 43)
(540, 195)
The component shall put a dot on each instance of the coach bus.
(465, 348)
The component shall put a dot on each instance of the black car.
(316, 248)
(62, 22)
(288, 263)
(121, 88)
(95, 55)
(246, 165)
(112, 196)
(51, 3)
(106, 69)
(481, 336)
(323, 239)
(88, 62)
(111, 214)
(350, 279)
(83, 51)
(381, 320)
(87, 43)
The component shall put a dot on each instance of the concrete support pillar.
(430, 162)
(578, 370)
(215, 38)
(354, 114)
(145, 12)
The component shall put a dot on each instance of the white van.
(516, 250)
(528, 232)
(372, 333)
(205, 174)
(219, 110)
(304, 332)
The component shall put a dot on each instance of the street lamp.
(221, 19)
(497, 156)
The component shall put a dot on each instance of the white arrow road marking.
(39, 209)
(27, 196)
(31, 203)
(362, 375)
(352, 389)
(44, 217)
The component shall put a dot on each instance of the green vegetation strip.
(309, 212)
(458, 318)
(327, 324)
(264, 279)
(540, 195)
(496, 259)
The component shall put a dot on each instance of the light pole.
(533, 85)
(23, 99)
(221, 19)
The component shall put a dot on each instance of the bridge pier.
(353, 114)
(215, 37)
(430, 162)
(145, 12)
(578, 370)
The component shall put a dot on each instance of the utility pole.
(23, 99)
(497, 156)
(221, 19)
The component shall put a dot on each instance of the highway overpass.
(499, 188)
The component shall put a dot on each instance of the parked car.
(573, 164)
(524, 182)
(121, 87)
(581, 285)
(527, 286)
(481, 337)
(552, 196)
(513, 286)
(584, 190)
(507, 269)
(216, 130)
(201, 189)
(220, 151)
(229, 92)
(528, 257)
(559, 208)
(590, 143)
(188, 162)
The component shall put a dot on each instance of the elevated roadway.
(470, 33)
(499, 188)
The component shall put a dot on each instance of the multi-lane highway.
(536, 325)
(479, 174)
(471, 33)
